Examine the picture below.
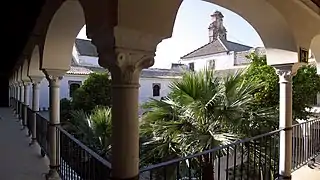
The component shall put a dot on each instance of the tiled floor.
(308, 172)
(18, 161)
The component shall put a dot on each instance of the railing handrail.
(84, 147)
(80, 144)
(306, 121)
(159, 165)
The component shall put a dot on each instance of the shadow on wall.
(4, 91)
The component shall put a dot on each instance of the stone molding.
(132, 52)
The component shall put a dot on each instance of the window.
(191, 66)
(73, 86)
(156, 89)
(211, 64)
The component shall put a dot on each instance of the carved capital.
(26, 83)
(54, 76)
(36, 79)
(20, 83)
(126, 53)
(285, 73)
(126, 67)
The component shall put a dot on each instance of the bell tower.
(216, 28)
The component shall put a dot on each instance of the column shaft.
(35, 109)
(285, 160)
(125, 147)
(54, 138)
(21, 104)
(26, 103)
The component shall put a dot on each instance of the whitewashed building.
(222, 55)
(219, 54)
(154, 82)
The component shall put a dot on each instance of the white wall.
(88, 60)
(145, 93)
(64, 89)
(223, 61)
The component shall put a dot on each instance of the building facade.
(154, 83)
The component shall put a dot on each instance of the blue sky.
(191, 31)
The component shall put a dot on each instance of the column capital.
(54, 73)
(26, 82)
(54, 76)
(36, 79)
(285, 72)
(126, 54)
(126, 67)
(20, 83)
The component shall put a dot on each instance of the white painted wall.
(88, 60)
(223, 61)
(146, 91)
(64, 89)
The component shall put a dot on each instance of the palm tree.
(93, 130)
(203, 111)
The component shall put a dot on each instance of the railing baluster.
(234, 161)
(227, 164)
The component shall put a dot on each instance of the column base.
(33, 141)
(284, 177)
(53, 175)
(132, 178)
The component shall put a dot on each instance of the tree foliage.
(306, 85)
(95, 91)
(93, 130)
(203, 111)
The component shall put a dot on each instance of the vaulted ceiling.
(317, 2)
(19, 18)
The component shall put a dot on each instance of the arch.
(315, 49)
(19, 73)
(25, 67)
(156, 89)
(60, 36)
(274, 31)
(34, 63)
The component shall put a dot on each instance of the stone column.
(54, 78)
(285, 73)
(26, 102)
(10, 91)
(125, 71)
(17, 99)
(21, 103)
(35, 106)
(14, 97)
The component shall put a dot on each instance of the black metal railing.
(30, 121)
(306, 142)
(42, 126)
(78, 161)
(19, 109)
(251, 159)
(22, 114)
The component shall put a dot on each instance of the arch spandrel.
(60, 37)
(34, 64)
(24, 72)
(315, 48)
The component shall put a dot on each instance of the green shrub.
(95, 91)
